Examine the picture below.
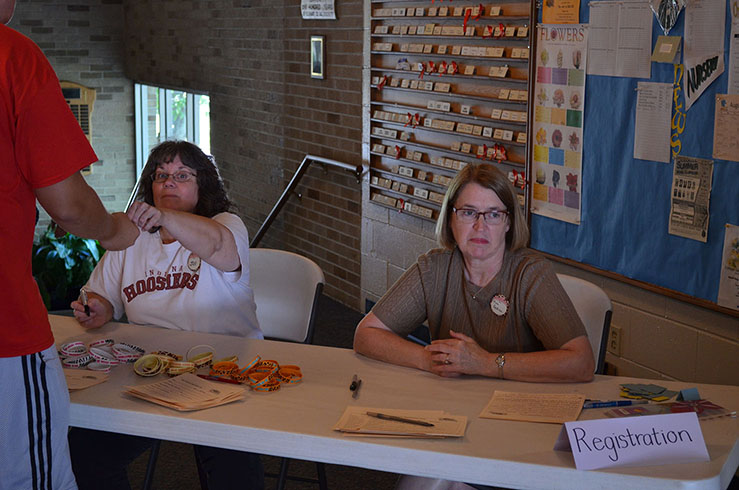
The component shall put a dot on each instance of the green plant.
(62, 265)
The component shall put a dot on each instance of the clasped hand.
(456, 356)
(145, 216)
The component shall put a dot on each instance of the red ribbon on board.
(382, 83)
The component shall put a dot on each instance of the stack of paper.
(187, 392)
(365, 421)
(553, 408)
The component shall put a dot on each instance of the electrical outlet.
(614, 340)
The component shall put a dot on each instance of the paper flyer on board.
(728, 289)
(733, 87)
(726, 122)
(652, 127)
(561, 12)
(690, 197)
(704, 46)
(620, 43)
(558, 121)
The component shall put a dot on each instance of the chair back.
(286, 290)
(594, 309)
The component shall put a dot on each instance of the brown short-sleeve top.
(540, 315)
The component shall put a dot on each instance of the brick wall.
(252, 58)
(84, 43)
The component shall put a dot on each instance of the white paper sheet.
(726, 122)
(704, 28)
(620, 41)
(652, 128)
(704, 46)
(733, 87)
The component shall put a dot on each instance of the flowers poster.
(559, 101)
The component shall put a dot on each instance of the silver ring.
(447, 361)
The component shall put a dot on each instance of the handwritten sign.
(317, 9)
(634, 441)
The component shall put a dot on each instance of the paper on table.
(355, 421)
(553, 408)
(652, 128)
(187, 392)
(79, 379)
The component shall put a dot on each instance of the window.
(164, 114)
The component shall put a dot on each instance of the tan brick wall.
(252, 58)
(84, 43)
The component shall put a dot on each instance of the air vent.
(80, 100)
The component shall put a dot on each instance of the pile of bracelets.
(173, 364)
(259, 374)
(100, 355)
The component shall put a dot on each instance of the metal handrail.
(355, 169)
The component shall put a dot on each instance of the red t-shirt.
(41, 144)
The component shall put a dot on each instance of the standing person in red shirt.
(42, 149)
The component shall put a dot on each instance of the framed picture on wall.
(317, 68)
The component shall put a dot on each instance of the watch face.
(500, 360)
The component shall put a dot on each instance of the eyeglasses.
(179, 177)
(467, 215)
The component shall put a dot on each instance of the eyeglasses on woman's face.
(179, 177)
(469, 215)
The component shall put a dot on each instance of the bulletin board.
(626, 202)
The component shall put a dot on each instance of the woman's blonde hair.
(491, 178)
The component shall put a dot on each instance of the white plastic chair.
(286, 290)
(594, 309)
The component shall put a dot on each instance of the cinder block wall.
(84, 43)
(252, 58)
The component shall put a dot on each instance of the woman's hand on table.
(458, 355)
(101, 311)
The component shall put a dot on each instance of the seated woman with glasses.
(494, 307)
(190, 272)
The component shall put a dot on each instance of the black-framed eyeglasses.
(179, 177)
(468, 215)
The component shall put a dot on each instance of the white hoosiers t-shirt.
(167, 285)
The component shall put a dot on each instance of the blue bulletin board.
(626, 202)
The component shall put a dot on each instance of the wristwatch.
(500, 361)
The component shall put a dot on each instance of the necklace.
(469, 288)
(476, 292)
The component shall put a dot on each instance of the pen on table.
(614, 403)
(216, 378)
(354, 387)
(404, 420)
(83, 297)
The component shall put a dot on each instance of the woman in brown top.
(494, 307)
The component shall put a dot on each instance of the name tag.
(634, 441)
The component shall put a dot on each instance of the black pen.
(404, 420)
(83, 297)
(354, 387)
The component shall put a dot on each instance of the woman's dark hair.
(212, 197)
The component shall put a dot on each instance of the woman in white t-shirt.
(189, 272)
